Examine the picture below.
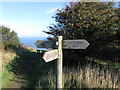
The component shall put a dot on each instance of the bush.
(9, 38)
(97, 22)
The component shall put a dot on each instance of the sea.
(30, 41)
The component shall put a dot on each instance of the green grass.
(7, 78)
(7, 75)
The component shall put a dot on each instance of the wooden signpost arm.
(59, 63)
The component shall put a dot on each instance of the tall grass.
(87, 77)
(7, 56)
(6, 75)
(0, 69)
(91, 77)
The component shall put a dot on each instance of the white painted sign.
(50, 55)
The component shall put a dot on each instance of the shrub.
(9, 38)
(97, 22)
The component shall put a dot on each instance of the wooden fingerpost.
(57, 53)
(59, 64)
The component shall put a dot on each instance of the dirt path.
(27, 67)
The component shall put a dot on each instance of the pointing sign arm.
(50, 55)
(75, 44)
(45, 44)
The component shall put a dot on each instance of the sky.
(29, 19)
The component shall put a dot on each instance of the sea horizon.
(30, 41)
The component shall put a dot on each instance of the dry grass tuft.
(7, 56)
(87, 77)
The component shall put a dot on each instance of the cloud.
(31, 32)
(51, 10)
(26, 30)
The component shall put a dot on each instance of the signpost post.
(57, 53)
(59, 63)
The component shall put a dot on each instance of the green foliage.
(9, 38)
(81, 20)
(97, 22)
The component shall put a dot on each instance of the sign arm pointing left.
(50, 55)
